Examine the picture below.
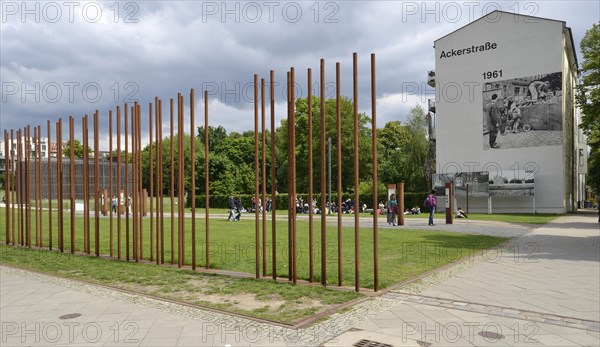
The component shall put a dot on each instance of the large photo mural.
(523, 112)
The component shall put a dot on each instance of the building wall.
(526, 49)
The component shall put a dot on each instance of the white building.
(514, 76)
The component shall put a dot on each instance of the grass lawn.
(403, 254)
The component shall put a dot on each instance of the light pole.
(329, 172)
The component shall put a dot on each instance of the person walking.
(392, 208)
(431, 202)
(239, 208)
(231, 205)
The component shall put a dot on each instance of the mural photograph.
(474, 184)
(513, 183)
(523, 112)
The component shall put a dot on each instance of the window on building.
(43, 147)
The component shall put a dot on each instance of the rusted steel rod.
(96, 186)
(273, 185)
(172, 186)
(134, 186)
(119, 183)
(86, 201)
(323, 177)
(20, 186)
(311, 252)
(28, 185)
(256, 176)
(263, 177)
(72, 178)
(160, 184)
(7, 186)
(36, 175)
(151, 174)
(180, 182)
(110, 181)
(193, 172)
(291, 202)
(140, 193)
(49, 182)
(375, 202)
(293, 159)
(356, 176)
(338, 123)
(206, 181)
(12, 186)
(59, 185)
(126, 196)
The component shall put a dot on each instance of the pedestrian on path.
(431, 202)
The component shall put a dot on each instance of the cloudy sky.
(74, 57)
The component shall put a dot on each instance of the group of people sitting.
(414, 210)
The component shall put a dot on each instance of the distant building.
(505, 104)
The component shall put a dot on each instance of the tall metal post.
(172, 186)
(134, 184)
(273, 185)
(375, 181)
(72, 178)
(49, 182)
(338, 123)
(311, 255)
(356, 177)
(110, 180)
(151, 173)
(263, 177)
(126, 196)
(28, 185)
(193, 170)
(323, 179)
(96, 186)
(59, 187)
(12, 185)
(206, 181)
(180, 182)
(7, 187)
(161, 184)
(256, 176)
(119, 183)
(294, 195)
(86, 186)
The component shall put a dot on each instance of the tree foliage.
(588, 99)
(302, 145)
(403, 151)
(77, 149)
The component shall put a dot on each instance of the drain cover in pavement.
(491, 335)
(369, 343)
(70, 316)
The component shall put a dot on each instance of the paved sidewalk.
(543, 289)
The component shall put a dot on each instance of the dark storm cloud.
(141, 49)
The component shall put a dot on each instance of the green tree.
(403, 150)
(215, 135)
(77, 149)
(302, 141)
(588, 99)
